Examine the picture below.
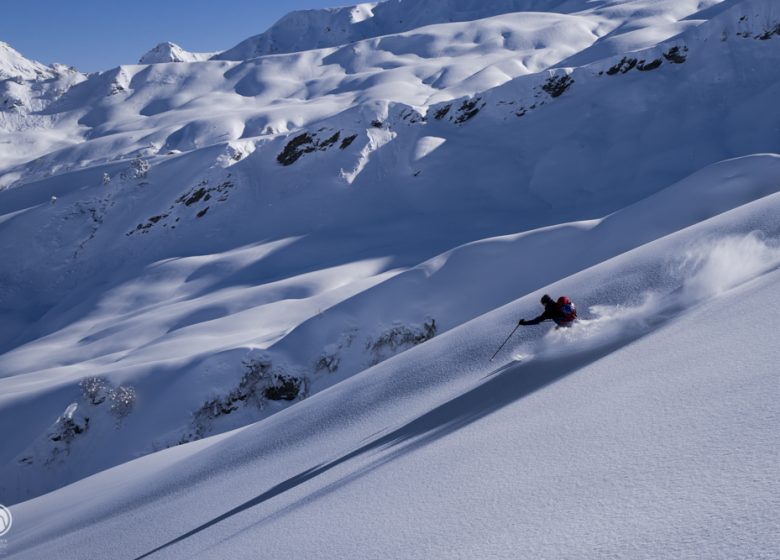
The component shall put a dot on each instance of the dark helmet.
(546, 299)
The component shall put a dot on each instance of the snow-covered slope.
(323, 247)
(27, 130)
(609, 439)
(27, 86)
(636, 23)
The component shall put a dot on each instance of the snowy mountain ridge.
(314, 29)
(14, 65)
(265, 287)
(171, 52)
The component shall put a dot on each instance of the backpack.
(567, 309)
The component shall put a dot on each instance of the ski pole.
(507, 340)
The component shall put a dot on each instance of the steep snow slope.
(182, 260)
(609, 439)
(139, 332)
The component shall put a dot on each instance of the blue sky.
(95, 35)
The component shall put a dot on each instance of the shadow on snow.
(502, 387)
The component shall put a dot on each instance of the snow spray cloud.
(705, 270)
(714, 267)
(604, 324)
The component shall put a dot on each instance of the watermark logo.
(6, 520)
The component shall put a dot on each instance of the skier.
(563, 312)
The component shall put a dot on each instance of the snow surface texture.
(319, 238)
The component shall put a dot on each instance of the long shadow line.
(509, 384)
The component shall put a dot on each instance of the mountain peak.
(171, 52)
(15, 65)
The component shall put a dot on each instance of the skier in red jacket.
(562, 311)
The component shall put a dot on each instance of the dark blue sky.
(95, 35)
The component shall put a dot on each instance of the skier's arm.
(543, 317)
